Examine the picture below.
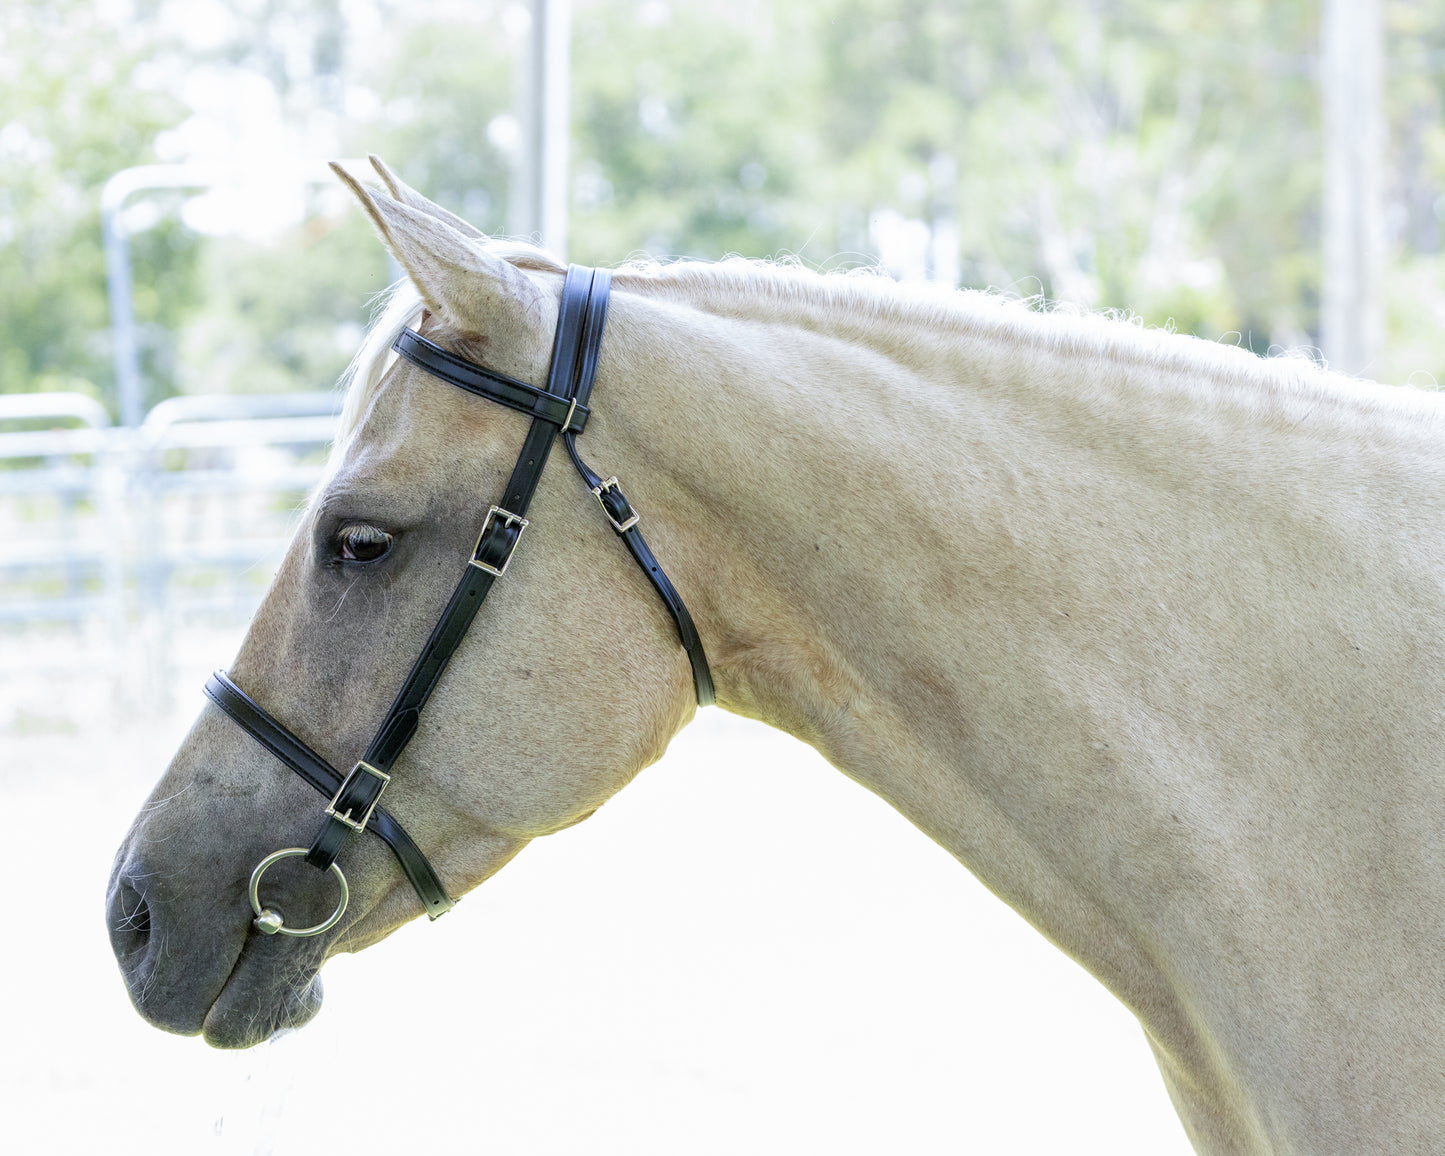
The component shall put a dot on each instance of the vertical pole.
(542, 95)
(1351, 52)
(556, 101)
(129, 385)
(522, 218)
(943, 244)
(130, 400)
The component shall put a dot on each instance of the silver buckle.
(358, 824)
(509, 519)
(620, 527)
(567, 421)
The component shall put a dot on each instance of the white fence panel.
(129, 535)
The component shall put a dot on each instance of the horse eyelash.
(356, 537)
(363, 531)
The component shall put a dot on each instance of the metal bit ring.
(269, 922)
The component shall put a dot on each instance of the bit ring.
(269, 922)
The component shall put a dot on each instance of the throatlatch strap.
(254, 719)
(624, 519)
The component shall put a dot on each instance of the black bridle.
(560, 409)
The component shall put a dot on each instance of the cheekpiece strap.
(501, 531)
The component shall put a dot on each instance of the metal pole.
(130, 402)
(556, 99)
(1351, 52)
(542, 95)
(522, 217)
(129, 387)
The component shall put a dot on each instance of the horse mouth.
(267, 992)
(233, 994)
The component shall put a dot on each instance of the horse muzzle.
(194, 969)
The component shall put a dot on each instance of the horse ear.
(478, 293)
(401, 191)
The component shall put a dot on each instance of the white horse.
(1148, 632)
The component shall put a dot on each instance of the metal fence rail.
(133, 532)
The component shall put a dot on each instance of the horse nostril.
(130, 920)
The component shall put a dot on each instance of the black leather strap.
(624, 521)
(487, 383)
(620, 513)
(256, 721)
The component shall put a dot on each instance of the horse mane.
(395, 308)
(1286, 381)
(786, 290)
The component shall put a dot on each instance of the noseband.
(562, 409)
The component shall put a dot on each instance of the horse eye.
(362, 543)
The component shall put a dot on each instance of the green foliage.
(1130, 155)
(436, 94)
(697, 153)
(280, 317)
(74, 108)
(1159, 158)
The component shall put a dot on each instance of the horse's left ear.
(403, 192)
(468, 287)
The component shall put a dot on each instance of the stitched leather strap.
(487, 383)
(258, 723)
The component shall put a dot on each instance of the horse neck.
(1094, 611)
(884, 507)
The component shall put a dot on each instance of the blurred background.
(181, 282)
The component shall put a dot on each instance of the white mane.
(782, 291)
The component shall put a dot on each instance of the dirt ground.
(744, 952)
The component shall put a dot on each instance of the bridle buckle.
(630, 517)
(498, 516)
(363, 794)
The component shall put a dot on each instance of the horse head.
(568, 682)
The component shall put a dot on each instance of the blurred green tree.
(77, 104)
(1119, 154)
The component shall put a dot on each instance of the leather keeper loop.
(331, 839)
(618, 509)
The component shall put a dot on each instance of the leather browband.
(490, 384)
(561, 408)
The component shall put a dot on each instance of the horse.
(1148, 632)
